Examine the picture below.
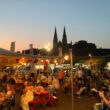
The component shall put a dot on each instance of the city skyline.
(34, 21)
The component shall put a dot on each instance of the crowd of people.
(94, 82)
(27, 86)
(88, 81)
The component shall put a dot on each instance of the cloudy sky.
(34, 21)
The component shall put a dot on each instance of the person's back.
(56, 83)
(61, 76)
(105, 100)
(80, 73)
(26, 98)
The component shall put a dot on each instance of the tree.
(91, 46)
(84, 44)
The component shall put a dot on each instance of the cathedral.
(60, 44)
(80, 49)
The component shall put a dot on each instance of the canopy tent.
(7, 57)
(6, 52)
(11, 58)
(9, 53)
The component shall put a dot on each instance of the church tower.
(55, 43)
(64, 41)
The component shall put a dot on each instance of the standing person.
(80, 74)
(61, 76)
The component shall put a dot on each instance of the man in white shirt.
(55, 85)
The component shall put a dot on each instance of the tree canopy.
(84, 44)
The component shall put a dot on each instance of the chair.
(41, 99)
(10, 103)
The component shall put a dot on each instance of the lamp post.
(39, 62)
(71, 58)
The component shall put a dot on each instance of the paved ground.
(86, 102)
(64, 103)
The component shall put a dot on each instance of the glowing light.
(48, 47)
(66, 57)
(55, 61)
(90, 55)
(42, 61)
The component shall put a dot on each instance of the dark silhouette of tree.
(80, 44)
(91, 46)
(84, 44)
(71, 43)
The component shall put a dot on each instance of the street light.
(91, 59)
(66, 57)
(48, 47)
(90, 55)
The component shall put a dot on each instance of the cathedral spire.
(55, 41)
(64, 39)
(55, 35)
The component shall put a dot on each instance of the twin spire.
(57, 44)
(64, 38)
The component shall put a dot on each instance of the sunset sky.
(34, 21)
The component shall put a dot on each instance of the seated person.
(10, 91)
(54, 86)
(44, 78)
(39, 89)
(9, 96)
(67, 85)
(105, 100)
(81, 89)
(2, 97)
(27, 96)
